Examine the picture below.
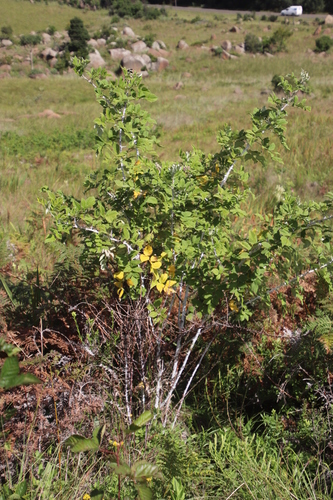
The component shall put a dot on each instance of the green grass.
(24, 17)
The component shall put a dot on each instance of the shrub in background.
(253, 44)
(324, 43)
(79, 37)
(30, 39)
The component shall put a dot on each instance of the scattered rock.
(238, 91)
(6, 43)
(327, 31)
(119, 54)
(182, 45)
(134, 62)
(48, 113)
(161, 44)
(93, 43)
(4, 75)
(239, 49)
(127, 31)
(322, 54)
(52, 62)
(96, 60)
(267, 54)
(155, 46)
(101, 42)
(225, 55)
(226, 45)
(265, 92)
(17, 57)
(5, 67)
(178, 86)
(158, 53)
(310, 52)
(46, 38)
(235, 29)
(146, 59)
(57, 35)
(213, 36)
(318, 31)
(186, 75)
(144, 74)
(189, 60)
(48, 54)
(139, 47)
(180, 96)
(329, 19)
(162, 63)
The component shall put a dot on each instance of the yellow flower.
(120, 292)
(136, 194)
(129, 282)
(149, 479)
(115, 444)
(86, 497)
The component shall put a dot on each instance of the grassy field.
(214, 92)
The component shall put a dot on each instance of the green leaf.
(99, 432)
(123, 470)
(21, 488)
(142, 420)
(79, 443)
(10, 376)
(143, 469)
(7, 289)
(97, 494)
(252, 237)
(144, 492)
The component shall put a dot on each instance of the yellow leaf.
(148, 250)
(144, 258)
(233, 306)
(156, 265)
(120, 292)
(119, 276)
(160, 287)
(172, 270)
(163, 277)
(130, 282)
(168, 286)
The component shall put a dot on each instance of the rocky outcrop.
(182, 45)
(127, 31)
(6, 43)
(139, 47)
(119, 54)
(226, 45)
(96, 60)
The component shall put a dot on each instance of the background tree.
(79, 37)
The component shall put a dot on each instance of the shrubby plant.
(182, 267)
(324, 43)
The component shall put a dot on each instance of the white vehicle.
(293, 10)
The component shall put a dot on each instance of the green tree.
(79, 37)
